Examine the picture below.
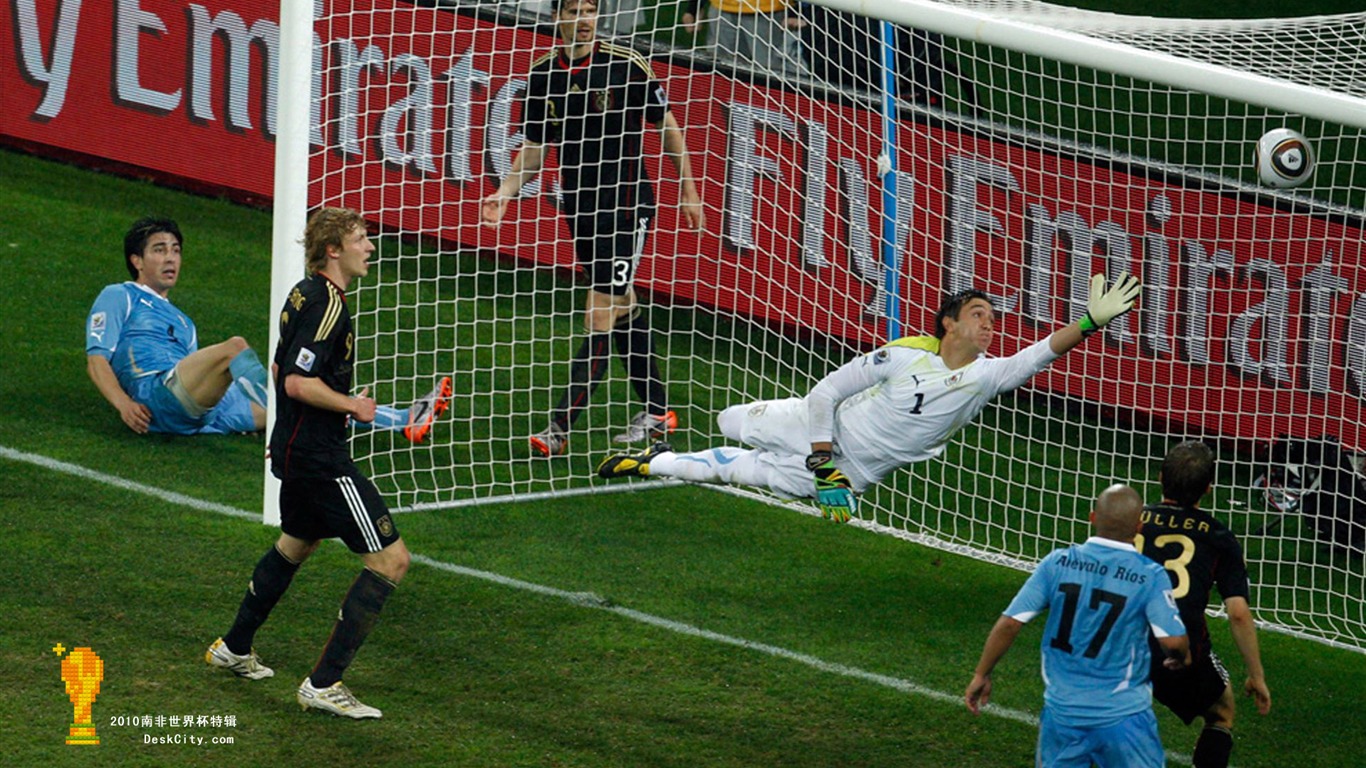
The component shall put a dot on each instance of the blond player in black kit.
(322, 493)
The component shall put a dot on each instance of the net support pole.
(887, 167)
(291, 190)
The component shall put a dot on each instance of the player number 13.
(1177, 565)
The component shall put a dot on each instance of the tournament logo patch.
(97, 322)
(758, 410)
(304, 361)
(385, 526)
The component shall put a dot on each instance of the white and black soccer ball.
(1284, 158)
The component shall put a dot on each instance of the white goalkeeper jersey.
(900, 404)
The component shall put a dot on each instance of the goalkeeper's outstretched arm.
(1102, 307)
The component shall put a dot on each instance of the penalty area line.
(583, 599)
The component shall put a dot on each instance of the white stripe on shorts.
(364, 524)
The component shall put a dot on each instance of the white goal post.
(1011, 146)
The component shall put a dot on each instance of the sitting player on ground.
(143, 355)
(897, 405)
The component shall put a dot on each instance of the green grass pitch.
(678, 627)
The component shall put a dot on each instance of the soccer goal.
(852, 174)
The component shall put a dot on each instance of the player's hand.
(136, 416)
(363, 407)
(978, 693)
(1256, 688)
(1104, 306)
(694, 214)
(492, 209)
(834, 492)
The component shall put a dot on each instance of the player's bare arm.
(133, 413)
(315, 392)
(677, 149)
(524, 168)
(1177, 649)
(1244, 631)
(1002, 636)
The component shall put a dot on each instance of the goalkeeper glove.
(834, 492)
(1104, 306)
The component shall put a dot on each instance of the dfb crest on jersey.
(602, 100)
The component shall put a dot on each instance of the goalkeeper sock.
(584, 374)
(249, 375)
(1213, 748)
(386, 417)
(272, 577)
(635, 346)
(359, 614)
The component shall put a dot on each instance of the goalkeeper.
(894, 406)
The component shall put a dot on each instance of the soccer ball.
(1283, 158)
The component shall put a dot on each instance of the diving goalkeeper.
(897, 405)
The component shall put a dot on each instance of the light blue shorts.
(1130, 743)
(230, 416)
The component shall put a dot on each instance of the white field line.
(583, 599)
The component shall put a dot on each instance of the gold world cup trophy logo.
(82, 671)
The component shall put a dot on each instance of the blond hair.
(327, 227)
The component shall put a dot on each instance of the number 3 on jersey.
(1177, 565)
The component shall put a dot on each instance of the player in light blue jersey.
(143, 355)
(1103, 598)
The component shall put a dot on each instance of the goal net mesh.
(1015, 173)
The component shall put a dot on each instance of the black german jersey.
(595, 110)
(315, 341)
(1199, 553)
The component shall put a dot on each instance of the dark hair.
(1187, 472)
(952, 305)
(558, 5)
(135, 242)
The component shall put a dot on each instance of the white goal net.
(852, 173)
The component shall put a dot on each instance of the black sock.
(1213, 747)
(268, 583)
(636, 347)
(587, 370)
(359, 614)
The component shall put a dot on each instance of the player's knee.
(1220, 713)
(391, 562)
(729, 421)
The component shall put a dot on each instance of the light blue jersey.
(143, 336)
(138, 331)
(1102, 599)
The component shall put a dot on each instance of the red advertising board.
(1252, 324)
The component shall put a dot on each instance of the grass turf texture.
(471, 672)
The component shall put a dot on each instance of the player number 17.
(1071, 597)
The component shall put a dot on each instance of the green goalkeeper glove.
(1104, 306)
(834, 493)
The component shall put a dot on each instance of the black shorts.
(1190, 692)
(608, 247)
(348, 507)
